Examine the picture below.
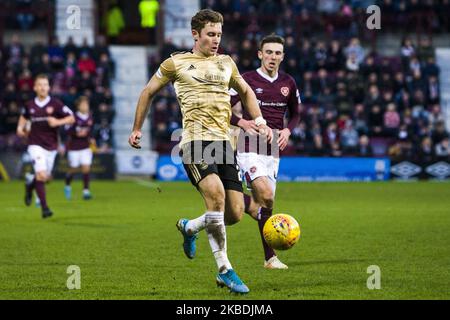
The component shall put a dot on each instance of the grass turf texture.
(127, 246)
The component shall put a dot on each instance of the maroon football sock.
(264, 215)
(247, 201)
(86, 181)
(40, 190)
(69, 177)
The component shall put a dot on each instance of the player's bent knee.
(216, 201)
(267, 199)
(41, 176)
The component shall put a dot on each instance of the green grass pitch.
(127, 246)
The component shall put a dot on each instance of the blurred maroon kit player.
(46, 115)
(78, 148)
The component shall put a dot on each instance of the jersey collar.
(41, 104)
(82, 116)
(267, 77)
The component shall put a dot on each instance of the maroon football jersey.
(83, 122)
(275, 96)
(37, 112)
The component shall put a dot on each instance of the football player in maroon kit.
(79, 153)
(46, 115)
(277, 93)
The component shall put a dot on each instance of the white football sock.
(196, 225)
(215, 229)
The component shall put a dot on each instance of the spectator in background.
(391, 121)
(148, 9)
(425, 50)
(100, 48)
(56, 54)
(364, 148)
(24, 17)
(14, 51)
(70, 48)
(114, 22)
(355, 50)
(86, 64)
(349, 138)
(407, 51)
(37, 50)
(43, 66)
(432, 90)
(442, 149)
(439, 133)
(430, 68)
(335, 56)
(104, 137)
(375, 121)
(25, 80)
(425, 153)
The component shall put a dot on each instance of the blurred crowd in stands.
(73, 71)
(356, 101)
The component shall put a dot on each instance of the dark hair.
(272, 38)
(204, 16)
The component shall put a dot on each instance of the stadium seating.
(356, 100)
(73, 70)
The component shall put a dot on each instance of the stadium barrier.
(412, 170)
(103, 167)
(303, 169)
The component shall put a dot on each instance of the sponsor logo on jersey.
(259, 90)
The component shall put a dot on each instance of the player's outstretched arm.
(250, 103)
(142, 109)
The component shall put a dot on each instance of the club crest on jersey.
(220, 66)
(285, 91)
(259, 90)
(252, 169)
(49, 110)
(203, 165)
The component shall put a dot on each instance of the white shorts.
(80, 157)
(255, 165)
(43, 160)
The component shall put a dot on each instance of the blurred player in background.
(277, 93)
(79, 152)
(46, 115)
(202, 79)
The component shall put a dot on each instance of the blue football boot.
(189, 241)
(68, 192)
(231, 280)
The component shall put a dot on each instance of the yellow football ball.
(281, 231)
